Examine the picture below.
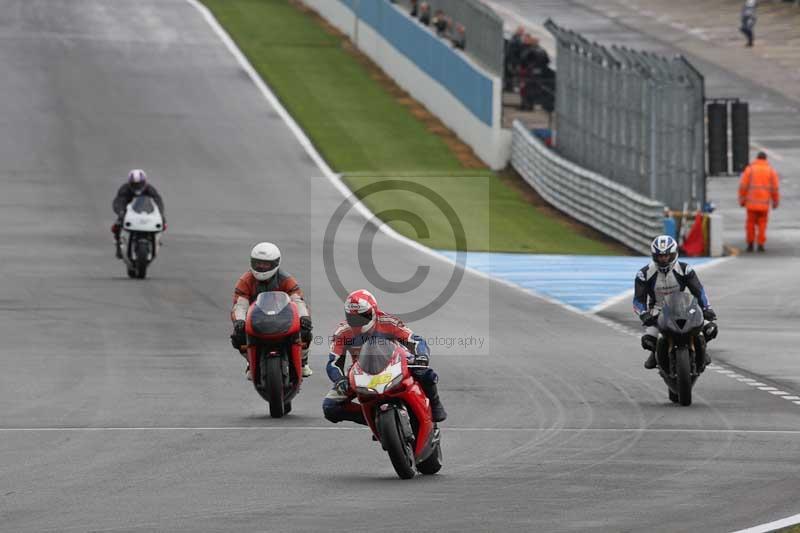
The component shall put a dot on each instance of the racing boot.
(437, 409)
(700, 347)
(649, 344)
(115, 229)
(306, 369)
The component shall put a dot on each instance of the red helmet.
(361, 310)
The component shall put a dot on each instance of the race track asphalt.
(123, 407)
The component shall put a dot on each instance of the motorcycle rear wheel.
(400, 452)
(432, 464)
(684, 372)
(273, 382)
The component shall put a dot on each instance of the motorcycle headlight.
(366, 391)
(396, 381)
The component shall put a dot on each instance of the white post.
(716, 231)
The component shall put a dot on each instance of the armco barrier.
(611, 208)
(467, 98)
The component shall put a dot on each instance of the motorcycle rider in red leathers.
(265, 276)
(365, 320)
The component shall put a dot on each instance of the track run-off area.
(123, 407)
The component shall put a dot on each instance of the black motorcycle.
(681, 347)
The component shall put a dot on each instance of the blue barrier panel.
(432, 55)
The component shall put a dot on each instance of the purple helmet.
(137, 180)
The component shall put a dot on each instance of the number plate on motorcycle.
(380, 379)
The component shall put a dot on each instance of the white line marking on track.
(791, 397)
(364, 429)
(772, 526)
(767, 388)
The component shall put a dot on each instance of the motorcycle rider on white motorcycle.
(136, 185)
(663, 276)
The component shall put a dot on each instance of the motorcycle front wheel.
(400, 452)
(273, 382)
(142, 253)
(683, 369)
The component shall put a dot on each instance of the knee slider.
(427, 376)
(649, 343)
(332, 410)
(710, 331)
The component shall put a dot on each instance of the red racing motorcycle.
(396, 408)
(274, 350)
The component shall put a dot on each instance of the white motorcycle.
(140, 235)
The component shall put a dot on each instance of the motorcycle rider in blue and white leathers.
(666, 275)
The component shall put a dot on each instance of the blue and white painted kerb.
(582, 282)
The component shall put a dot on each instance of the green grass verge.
(362, 131)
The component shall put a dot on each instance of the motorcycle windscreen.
(143, 205)
(376, 354)
(682, 309)
(272, 314)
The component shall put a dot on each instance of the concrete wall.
(459, 92)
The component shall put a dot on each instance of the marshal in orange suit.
(758, 188)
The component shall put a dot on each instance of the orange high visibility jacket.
(759, 186)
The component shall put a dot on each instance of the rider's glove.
(305, 328)
(342, 386)
(421, 359)
(648, 318)
(238, 337)
(709, 314)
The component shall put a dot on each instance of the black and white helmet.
(137, 179)
(664, 251)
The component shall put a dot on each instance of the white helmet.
(137, 179)
(664, 251)
(265, 258)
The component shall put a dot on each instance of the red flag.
(694, 245)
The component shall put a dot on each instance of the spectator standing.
(757, 189)
(425, 13)
(440, 22)
(514, 57)
(460, 37)
(749, 21)
(415, 8)
(534, 69)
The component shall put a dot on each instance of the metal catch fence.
(636, 118)
(484, 28)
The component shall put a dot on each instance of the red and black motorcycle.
(396, 408)
(275, 350)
